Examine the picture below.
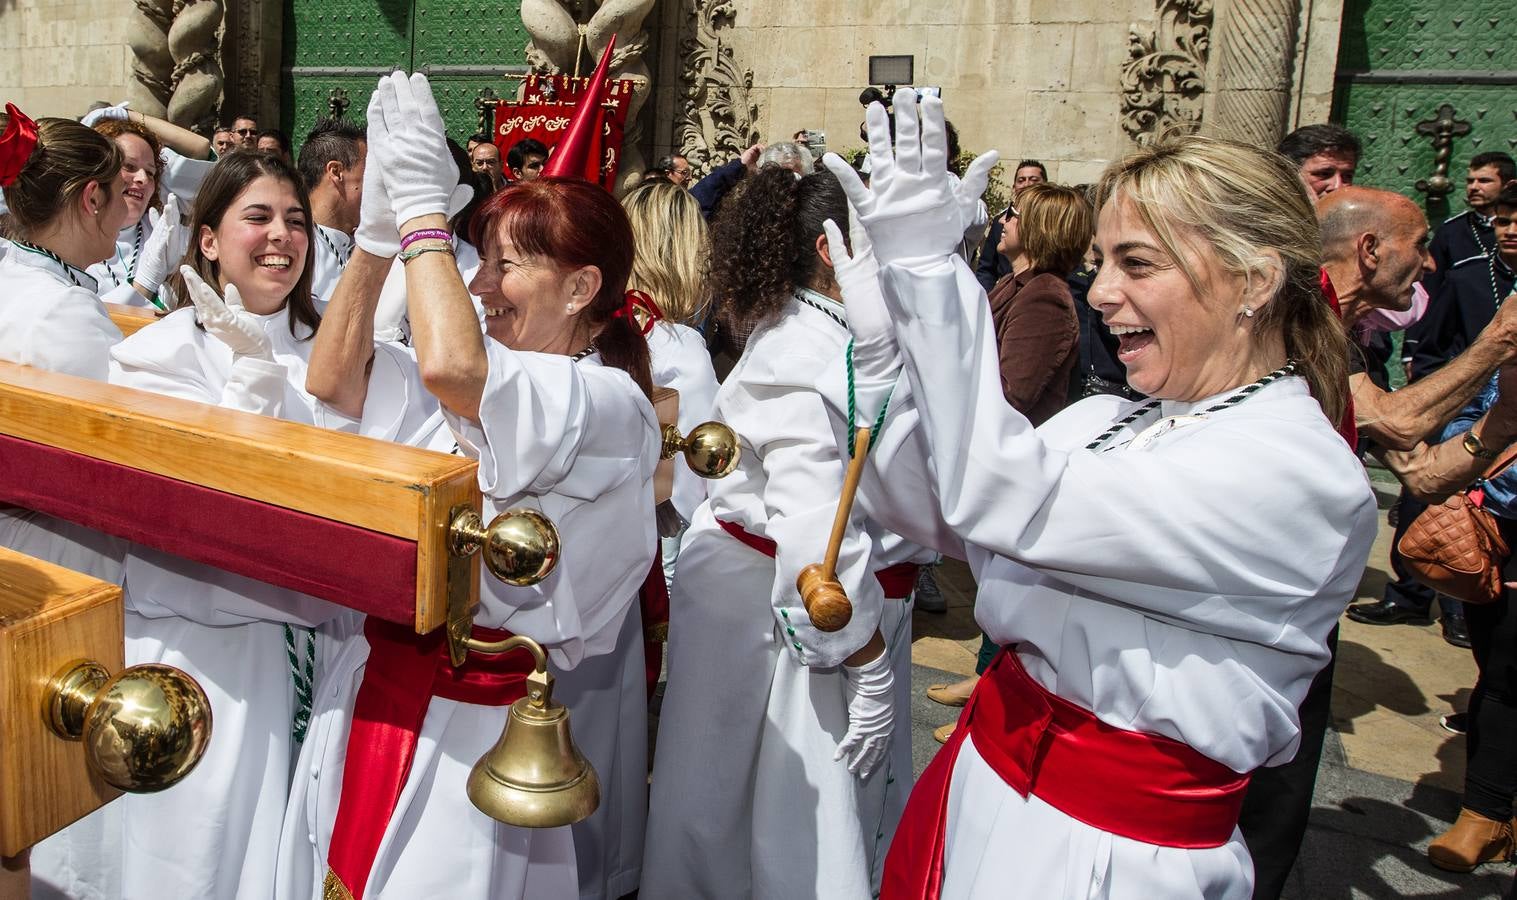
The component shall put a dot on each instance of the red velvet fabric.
(896, 581)
(1140, 786)
(404, 672)
(653, 603)
(280, 546)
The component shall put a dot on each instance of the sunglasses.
(1010, 212)
(247, 132)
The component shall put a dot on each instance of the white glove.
(156, 261)
(876, 356)
(226, 320)
(377, 233)
(96, 116)
(912, 208)
(410, 144)
(871, 715)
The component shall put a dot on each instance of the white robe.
(332, 249)
(49, 322)
(579, 442)
(747, 800)
(1180, 584)
(216, 834)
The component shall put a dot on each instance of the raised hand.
(876, 358)
(226, 320)
(377, 233)
(913, 208)
(96, 116)
(156, 260)
(411, 147)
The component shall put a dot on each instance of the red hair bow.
(640, 308)
(16, 144)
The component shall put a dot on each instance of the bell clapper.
(822, 594)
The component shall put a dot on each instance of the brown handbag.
(1456, 547)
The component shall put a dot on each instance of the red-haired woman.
(553, 401)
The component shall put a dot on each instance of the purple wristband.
(425, 234)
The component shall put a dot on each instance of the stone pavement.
(1390, 776)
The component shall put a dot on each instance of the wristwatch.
(1476, 448)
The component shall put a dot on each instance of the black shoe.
(1456, 631)
(1387, 612)
(1455, 723)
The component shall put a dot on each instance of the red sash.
(405, 671)
(897, 581)
(1140, 786)
(1346, 426)
(653, 603)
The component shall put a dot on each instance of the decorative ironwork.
(337, 104)
(1164, 78)
(715, 116)
(1442, 129)
(486, 102)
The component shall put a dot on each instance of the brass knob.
(143, 729)
(826, 602)
(711, 449)
(521, 545)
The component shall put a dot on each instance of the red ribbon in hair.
(16, 144)
(637, 300)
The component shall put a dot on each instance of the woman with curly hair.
(803, 797)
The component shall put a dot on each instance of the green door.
(462, 45)
(1400, 60)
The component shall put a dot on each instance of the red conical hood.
(571, 156)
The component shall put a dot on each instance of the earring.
(569, 308)
(1248, 312)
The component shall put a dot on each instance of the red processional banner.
(543, 113)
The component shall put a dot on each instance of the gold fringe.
(334, 889)
(658, 632)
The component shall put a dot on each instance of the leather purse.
(1456, 547)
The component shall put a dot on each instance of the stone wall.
(1048, 90)
(58, 57)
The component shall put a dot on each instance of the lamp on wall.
(892, 70)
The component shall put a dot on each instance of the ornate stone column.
(1164, 78)
(195, 45)
(714, 115)
(250, 53)
(152, 67)
(1253, 89)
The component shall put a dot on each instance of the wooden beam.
(130, 319)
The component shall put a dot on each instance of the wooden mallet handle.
(822, 594)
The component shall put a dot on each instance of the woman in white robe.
(751, 796)
(553, 402)
(65, 207)
(253, 647)
(1165, 572)
(160, 160)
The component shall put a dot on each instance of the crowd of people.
(1138, 409)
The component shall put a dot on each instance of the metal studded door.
(1400, 61)
(462, 46)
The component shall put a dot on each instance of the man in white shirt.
(331, 165)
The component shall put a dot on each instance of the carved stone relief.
(715, 117)
(555, 41)
(152, 67)
(1164, 79)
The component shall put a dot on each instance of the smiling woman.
(1163, 574)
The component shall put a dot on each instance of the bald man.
(1374, 247)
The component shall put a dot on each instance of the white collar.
(57, 268)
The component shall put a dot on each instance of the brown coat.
(1037, 337)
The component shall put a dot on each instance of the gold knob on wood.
(520, 545)
(143, 729)
(711, 449)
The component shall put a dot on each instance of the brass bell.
(711, 449)
(534, 776)
(521, 545)
(143, 729)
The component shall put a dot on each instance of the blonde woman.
(1163, 574)
(670, 265)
